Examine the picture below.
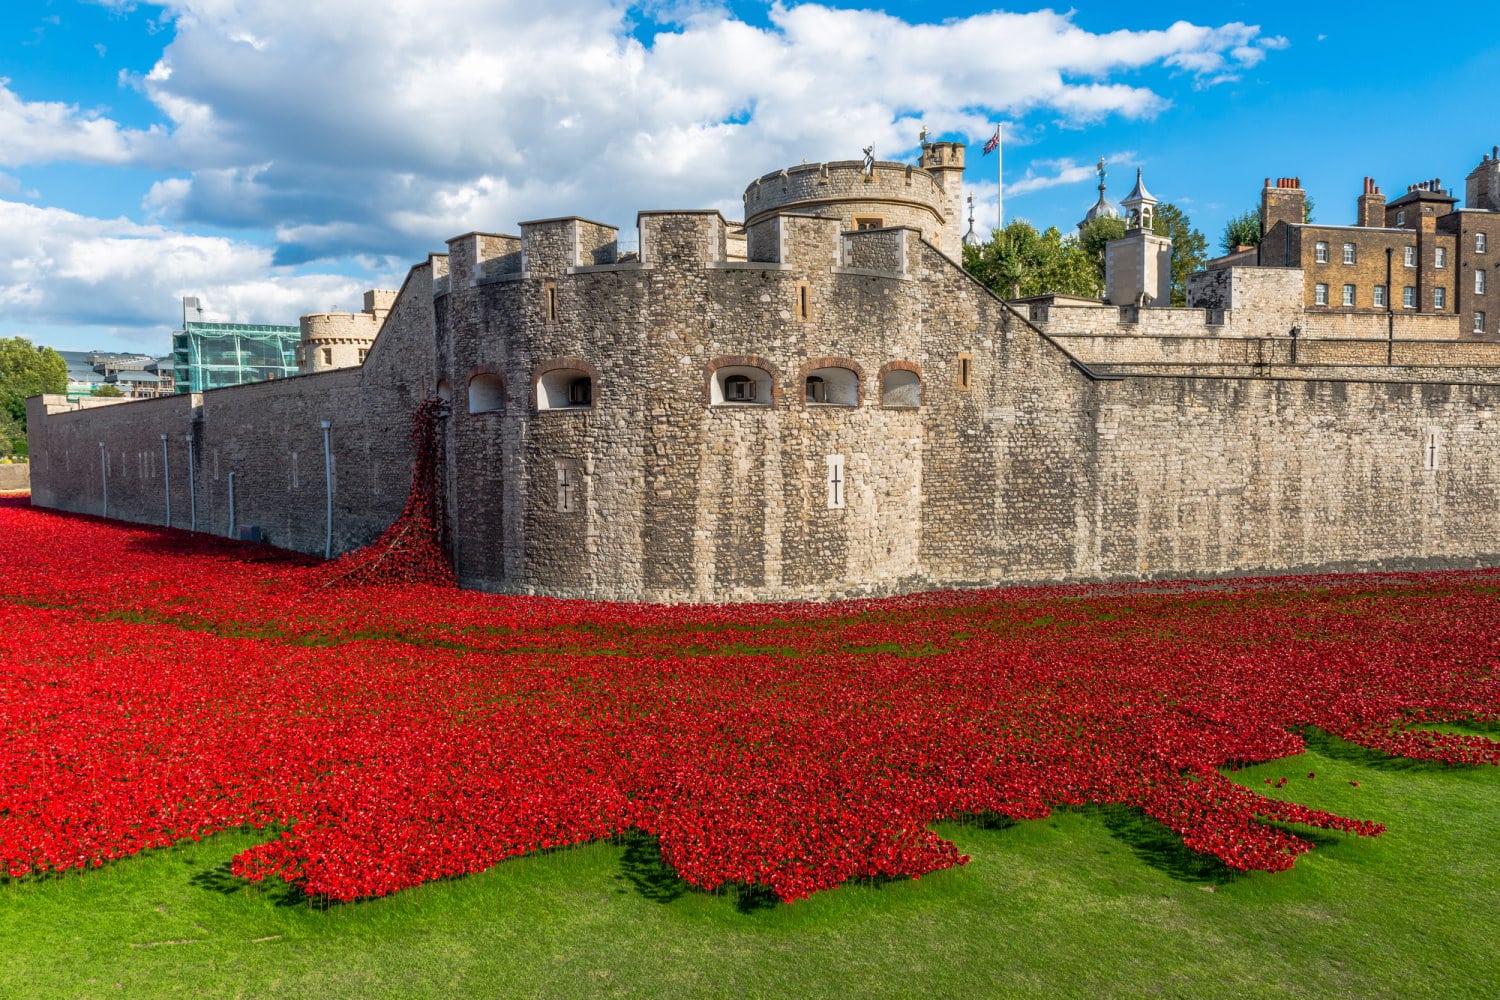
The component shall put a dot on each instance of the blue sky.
(276, 157)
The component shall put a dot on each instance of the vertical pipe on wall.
(192, 485)
(231, 505)
(166, 475)
(327, 490)
(104, 476)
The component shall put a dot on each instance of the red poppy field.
(157, 686)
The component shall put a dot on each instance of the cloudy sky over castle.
(279, 156)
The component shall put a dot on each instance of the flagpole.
(999, 181)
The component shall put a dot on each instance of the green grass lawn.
(1087, 903)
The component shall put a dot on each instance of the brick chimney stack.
(1371, 211)
(1285, 202)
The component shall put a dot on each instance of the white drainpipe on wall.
(231, 505)
(104, 476)
(192, 483)
(328, 489)
(166, 475)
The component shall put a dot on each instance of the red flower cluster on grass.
(400, 734)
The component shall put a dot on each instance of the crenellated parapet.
(341, 340)
(925, 196)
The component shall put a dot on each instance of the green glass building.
(214, 355)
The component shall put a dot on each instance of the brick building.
(1419, 255)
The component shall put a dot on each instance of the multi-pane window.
(1440, 257)
(1380, 296)
(1479, 322)
(1348, 295)
(1479, 242)
(1401, 217)
(1348, 253)
(1320, 294)
(1320, 252)
(1479, 282)
(1409, 256)
(1439, 298)
(1409, 297)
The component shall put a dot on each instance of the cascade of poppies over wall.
(402, 733)
(414, 549)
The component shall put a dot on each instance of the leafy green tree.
(1020, 261)
(25, 371)
(1241, 231)
(105, 389)
(1093, 237)
(1189, 248)
(1244, 229)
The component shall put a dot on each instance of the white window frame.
(1480, 243)
(1400, 216)
(1409, 297)
(1379, 296)
(1320, 294)
(1478, 321)
(1479, 281)
(1409, 256)
(1320, 252)
(1440, 257)
(1348, 295)
(1348, 253)
(1439, 299)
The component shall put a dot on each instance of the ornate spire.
(1139, 204)
(1102, 208)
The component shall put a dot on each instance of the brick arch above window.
(719, 364)
(901, 385)
(486, 390)
(552, 367)
(846, 364)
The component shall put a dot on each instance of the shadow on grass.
(1159, 847)
(643, 866)
(221, 880)
(1335, 748)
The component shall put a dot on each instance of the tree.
(1092, 239)
(25, 371)
(105, 389)
(1244, 229)
(1189, 248)
(1241, 231)
(1019, 261)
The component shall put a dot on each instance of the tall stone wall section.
(1020, 464)
(269, 435)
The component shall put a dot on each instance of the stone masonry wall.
(1017, 466)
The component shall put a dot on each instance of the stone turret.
(341, 340)
(927, 197)
(1138, 268)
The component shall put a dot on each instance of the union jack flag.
(994, 142)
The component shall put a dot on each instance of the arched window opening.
(901, 388)
(486, 393)
(564, 389)
(742, 385)
(444, 390)
(833, 387)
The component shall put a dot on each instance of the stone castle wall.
(1020, 464)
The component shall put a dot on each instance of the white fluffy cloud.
(381, 127)
(59, 267)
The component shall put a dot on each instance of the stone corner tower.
(1138, 267)
(945, 162)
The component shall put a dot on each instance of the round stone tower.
(928, 196)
